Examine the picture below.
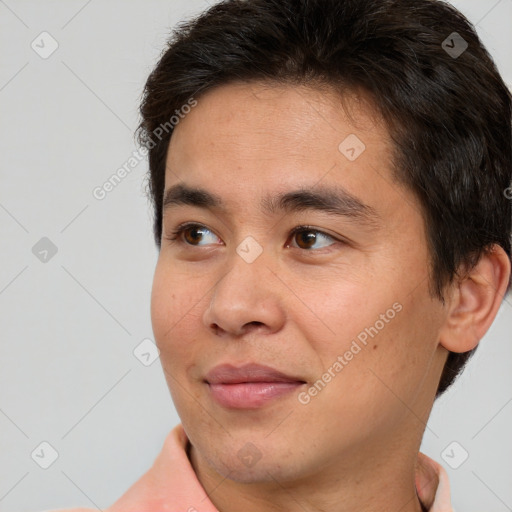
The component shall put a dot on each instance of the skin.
(354, 446)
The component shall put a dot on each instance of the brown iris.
(193, 234)
(308, 238)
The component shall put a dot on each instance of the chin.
(238, 467)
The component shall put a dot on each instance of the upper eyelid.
(305, 227)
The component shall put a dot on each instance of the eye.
(192, 234)
(307, 237)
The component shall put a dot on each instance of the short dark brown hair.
(446, 106)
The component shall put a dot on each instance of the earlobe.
(476, 298)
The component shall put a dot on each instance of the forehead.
(285, 118)
(246, 139)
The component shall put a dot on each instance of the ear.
(475, 300)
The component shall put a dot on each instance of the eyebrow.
(331, 200)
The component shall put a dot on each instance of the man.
(329, 181)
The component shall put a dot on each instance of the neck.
(376, 478)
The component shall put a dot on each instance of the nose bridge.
(245, 294)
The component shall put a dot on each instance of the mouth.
(250, 386)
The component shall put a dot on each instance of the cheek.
(176, 318)
(385, 335)
(349, 310)
(401, 365)
(163, 295)
(175, 306)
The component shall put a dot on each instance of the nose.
(247, 298)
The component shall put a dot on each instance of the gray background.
(68, 375)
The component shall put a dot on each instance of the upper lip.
(251, 372)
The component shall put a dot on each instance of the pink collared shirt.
(171, 484)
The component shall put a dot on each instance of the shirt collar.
(432, 485)
(172, 477)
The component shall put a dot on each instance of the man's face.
(341, 306)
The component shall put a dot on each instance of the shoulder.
(153, 490)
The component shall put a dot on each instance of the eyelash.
(176, 234)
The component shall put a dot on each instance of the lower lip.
(250, 395)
